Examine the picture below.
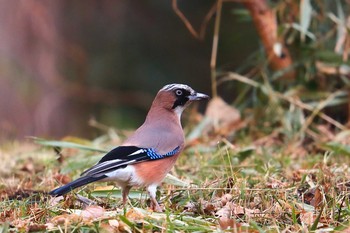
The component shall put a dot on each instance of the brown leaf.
(113, 223)
(317, 199)
(92, 212)
(226, 222)
(34, 227)
(20, 224)
(224, 118)
(225, 211)
(233, 209)
(107, 228)
(62, 179)
(274, 183)
(123, 227)
(190, 207)
(28, 166)
(50, 226)
(134, 215)
(210, 207)
(226, 198)
(65, 218)
(55, 200)
(307, 218)
(313, 197)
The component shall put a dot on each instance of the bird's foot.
(155, 207)
(158, 209)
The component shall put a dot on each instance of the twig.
(184, 19)
(206, 20)
(236, 188)
(215, 48)
(198, 35)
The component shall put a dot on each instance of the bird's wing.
(122, 156)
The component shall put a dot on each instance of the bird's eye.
(178, 92)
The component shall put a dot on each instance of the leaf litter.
(250, 185)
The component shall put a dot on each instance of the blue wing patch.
(152, 154)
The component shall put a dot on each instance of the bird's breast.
(153, 172)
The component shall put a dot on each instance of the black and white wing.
(122, 156)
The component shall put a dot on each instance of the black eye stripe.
(181, 97)
(182, 92)
(180, 102)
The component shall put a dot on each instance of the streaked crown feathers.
(174, 86)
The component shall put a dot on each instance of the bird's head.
(176, 97)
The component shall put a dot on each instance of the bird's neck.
(160, 114)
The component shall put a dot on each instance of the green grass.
(261, 186)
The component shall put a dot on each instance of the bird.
(147, 156)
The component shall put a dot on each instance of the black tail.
(75, 184)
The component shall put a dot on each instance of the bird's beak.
(198, 96)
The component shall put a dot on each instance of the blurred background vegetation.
(65, 62)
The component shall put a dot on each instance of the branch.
(198, 35)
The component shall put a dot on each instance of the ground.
(220, 183)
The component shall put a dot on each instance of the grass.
(261, 186)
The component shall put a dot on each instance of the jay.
(145, 158)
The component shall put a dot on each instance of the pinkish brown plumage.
(145, 158)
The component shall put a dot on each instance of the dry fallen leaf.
(317, 199)
(34, 227)
(65, 219)
(313, 197)
(226, 198)
(62, 179)
(123, 227)
(28, 166)
(233, 209)
(226, 222)
(114, 223)
(92, 212)
(224, 118)
(307, 218)
(190, 207)
(55, 200)
(210, 207)
(225, 211)
(134, 215)
(107, 228)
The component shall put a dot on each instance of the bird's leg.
(152, 193)
(125, 193)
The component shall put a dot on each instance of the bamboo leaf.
(170, 179)
(305, 17)
(111, 191)
(65, 144)
(338, 148)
